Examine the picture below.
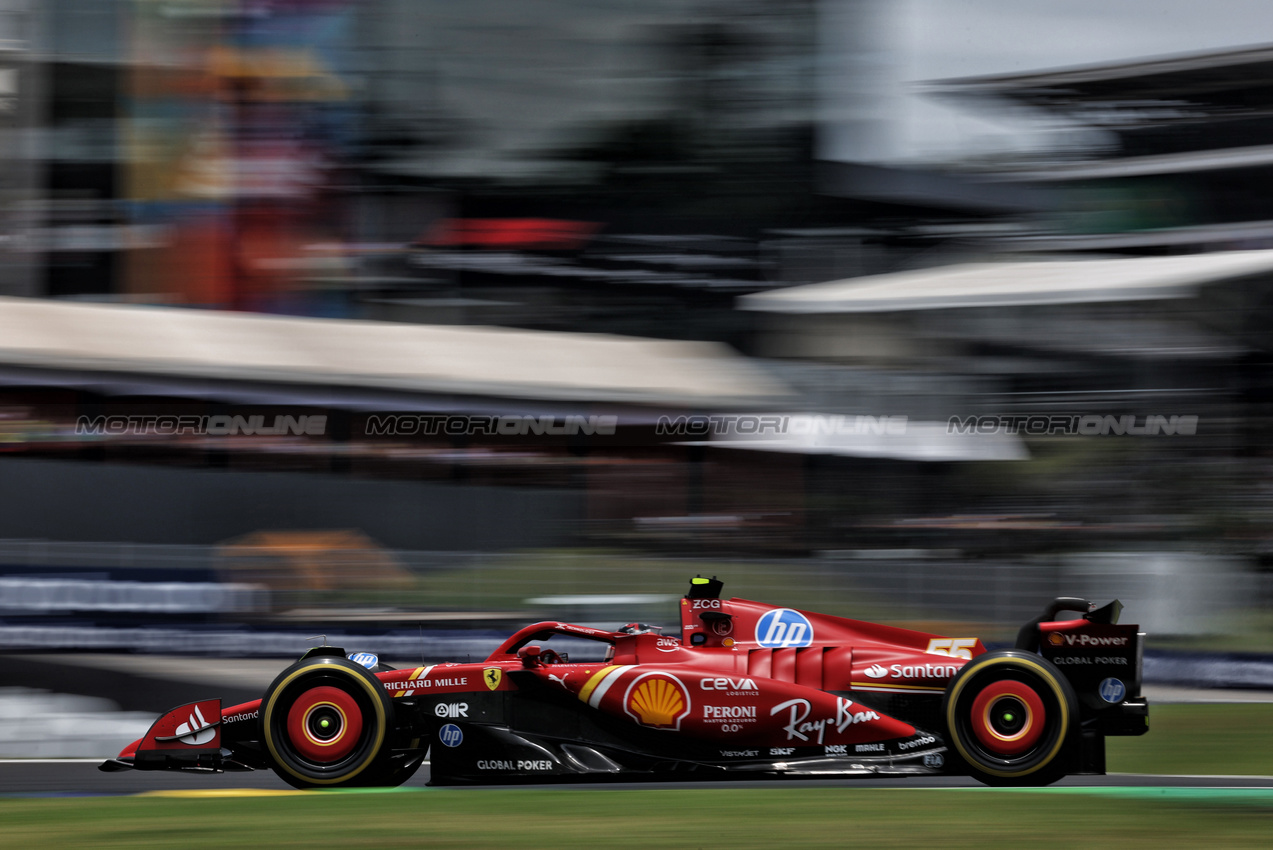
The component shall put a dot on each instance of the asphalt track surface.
(40, 778)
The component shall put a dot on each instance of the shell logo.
(658, 700)
(1056, 639)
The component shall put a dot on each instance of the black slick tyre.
(326, 723)
(1012, 718)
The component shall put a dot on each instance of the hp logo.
(784, 627)
(366, 659)
(1112, 690)
(450, 735)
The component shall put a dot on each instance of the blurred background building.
(612, 228)
(330, 158)
(1177, 160)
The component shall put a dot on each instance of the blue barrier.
(1235, 670)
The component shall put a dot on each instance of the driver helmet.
(641, 629)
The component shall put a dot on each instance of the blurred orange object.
(307, 561)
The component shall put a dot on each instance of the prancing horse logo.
(492, 676)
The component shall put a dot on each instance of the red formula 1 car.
(747, 689)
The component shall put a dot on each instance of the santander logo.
(196, 730)
(875, 671)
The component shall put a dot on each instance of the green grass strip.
(694, 818)
(1192, 796)
(1189, 739)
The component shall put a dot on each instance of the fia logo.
(783, 627)
(450, 735)
(1112, 690)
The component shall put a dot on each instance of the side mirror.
(529, 656)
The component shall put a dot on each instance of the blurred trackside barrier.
(1169, 593)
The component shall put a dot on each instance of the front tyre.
(1012, 717)
(326, 722)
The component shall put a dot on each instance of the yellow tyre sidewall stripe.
(1052, 683)
(267, 716)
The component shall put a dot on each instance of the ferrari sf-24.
(746, 690)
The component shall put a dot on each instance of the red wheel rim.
(324, 724)
(1008, 717)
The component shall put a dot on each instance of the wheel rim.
(1008, 718)
(324, 725)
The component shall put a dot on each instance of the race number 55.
(952, 647)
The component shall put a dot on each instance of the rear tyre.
(1012, 718)
(326, 723)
